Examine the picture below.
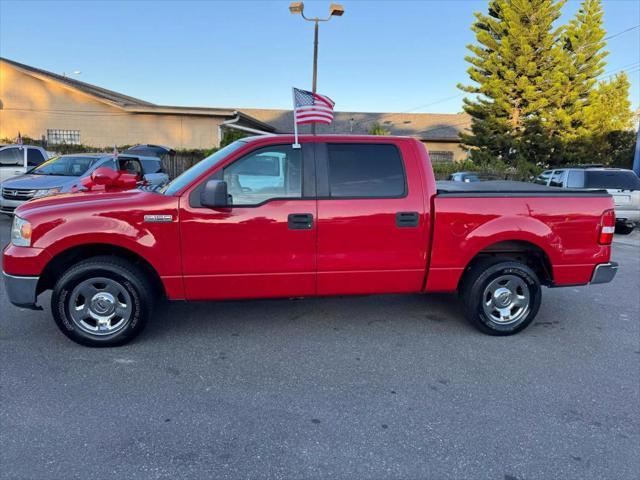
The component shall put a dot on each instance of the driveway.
(368, 387)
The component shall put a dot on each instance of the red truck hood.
(61, 204)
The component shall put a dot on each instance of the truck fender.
(512, 228)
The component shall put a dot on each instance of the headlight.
(21, 232)
(46, 192)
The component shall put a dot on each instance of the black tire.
(487, 273)
(130, 283)
(623, 229)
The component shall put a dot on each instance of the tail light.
(607, 227)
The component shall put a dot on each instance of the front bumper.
(22, 291)
(8, 206)
(604, 272)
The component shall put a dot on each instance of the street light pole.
(315, 57)
(335, 10)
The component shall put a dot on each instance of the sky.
(381, 56)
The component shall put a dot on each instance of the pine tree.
(608, 120)
(608, 108)
(517, 68)
(583, 45)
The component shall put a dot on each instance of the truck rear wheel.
(102, 302)
(501, 297)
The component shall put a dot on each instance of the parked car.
(17, 159)
(464, 177)
(341, 215)
(150, 150)
(623, 185)
(64, 174)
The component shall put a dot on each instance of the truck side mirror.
(214, 194)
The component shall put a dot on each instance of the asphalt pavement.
(397, 387)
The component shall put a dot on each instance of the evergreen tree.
(608, 108)
(607, 120)
(517, 70)
(583, 43)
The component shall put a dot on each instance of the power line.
(609, 37)
(620, 33)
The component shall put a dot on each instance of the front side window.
(365, 171)
(543, 178)
(34, 157)
(72, 166)
(188, 176)
(265, 174)
(10, 157)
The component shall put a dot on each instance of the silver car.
(63, 174)
(622, 184)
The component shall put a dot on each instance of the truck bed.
(504, 188)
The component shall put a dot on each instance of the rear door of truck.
(372, 218)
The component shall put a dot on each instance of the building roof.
(424, 126)
(132, 104)
(93, 90)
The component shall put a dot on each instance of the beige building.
(39, 104)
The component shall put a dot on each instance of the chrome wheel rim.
(506, 299)
(100, 306)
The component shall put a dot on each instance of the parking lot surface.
(365, 387)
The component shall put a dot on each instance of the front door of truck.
(264, 243)
(373, 219)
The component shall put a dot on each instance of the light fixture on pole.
(335, 10)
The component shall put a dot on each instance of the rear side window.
(131, 166)
(34, 157)
(365, 171)
(612, 179)
(152, 166)
(575, 179)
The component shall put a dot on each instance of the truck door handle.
(407, 219)
(300, 221)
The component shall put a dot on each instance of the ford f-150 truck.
(341, 215)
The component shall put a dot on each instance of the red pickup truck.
(341, 215)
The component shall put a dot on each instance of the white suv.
(623, 185)
(17, 159)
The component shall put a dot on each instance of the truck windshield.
(188, 176)
(65, 166)
(612, 179)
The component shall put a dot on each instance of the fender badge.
(158, 218)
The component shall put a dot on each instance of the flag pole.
(295, 119)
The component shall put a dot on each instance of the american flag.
(312, 107)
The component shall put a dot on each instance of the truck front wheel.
(501, 297)
(102, 302)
